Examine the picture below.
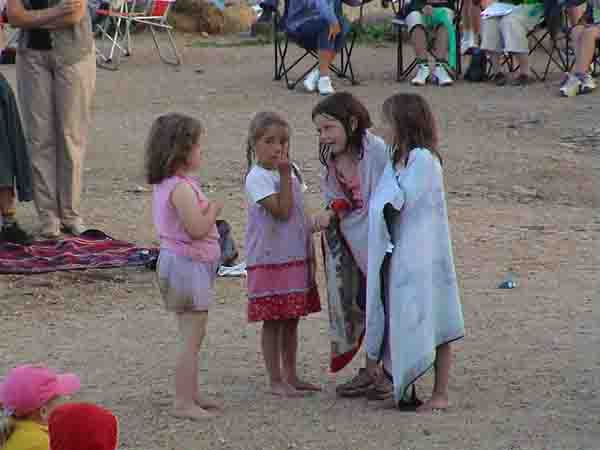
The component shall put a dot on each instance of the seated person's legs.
(471, 17)
(445, 45)
(315, 35)
(418, 39)
(575, 11)
(419, 25)
(491, 42)
(514, 28)
(580, 81)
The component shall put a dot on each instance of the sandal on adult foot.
(382, 389)
(358, 386)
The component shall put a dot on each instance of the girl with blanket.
(413, 305)
(353, 161)
(279, 251)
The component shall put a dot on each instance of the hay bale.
(238, 18)
(197, 16)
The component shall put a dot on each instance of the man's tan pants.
(55, 104)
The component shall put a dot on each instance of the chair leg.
(108, 56)
(399, 57)
(175, 58)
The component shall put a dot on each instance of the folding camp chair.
(596, 61)
(400, 26)
(281, 40)
(556, 46)
(115, 30)
(558, 49)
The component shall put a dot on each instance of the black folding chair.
(281, 41)
(556, 46)
(596, 61)
(400, 26)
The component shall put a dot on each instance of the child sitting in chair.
(437, 17)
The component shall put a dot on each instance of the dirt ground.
(522, 169)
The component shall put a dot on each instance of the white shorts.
(509, 33)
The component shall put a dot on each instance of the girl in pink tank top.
(185, 222)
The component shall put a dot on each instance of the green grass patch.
(231, 44)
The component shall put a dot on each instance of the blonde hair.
(7, 426)
(258, 127)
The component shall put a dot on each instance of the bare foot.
(435, 403)
(192, 412)
(305, 386)
(285, 390)
(205, 403)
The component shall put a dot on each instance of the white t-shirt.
(262, 183)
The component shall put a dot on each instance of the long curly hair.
(413, 123)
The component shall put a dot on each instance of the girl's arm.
(66, 13)
(280, 205)
(197, 221)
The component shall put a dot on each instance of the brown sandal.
(381, 390)
(358, 386)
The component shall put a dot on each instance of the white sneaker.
(325, 87)
(467, 42)
(571, 86)
(423, 73)
(588, 84)
(440, 74)
(311, 80)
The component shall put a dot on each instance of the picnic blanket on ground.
(91, 250)
(346, 295)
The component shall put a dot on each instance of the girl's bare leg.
(439, 397)
(290, 356)
(272, 352)
(192, 327)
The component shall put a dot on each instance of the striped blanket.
(91, 250)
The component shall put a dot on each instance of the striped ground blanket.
(91, 250)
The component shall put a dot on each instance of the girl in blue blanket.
(413, 304)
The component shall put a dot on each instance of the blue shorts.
(314, 35)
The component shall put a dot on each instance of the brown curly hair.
(169, 143)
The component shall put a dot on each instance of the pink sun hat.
(28, 388)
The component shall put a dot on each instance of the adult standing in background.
(56, 77)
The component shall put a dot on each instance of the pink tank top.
(169, 226)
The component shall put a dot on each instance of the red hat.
(82, 426)
(27, 388)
